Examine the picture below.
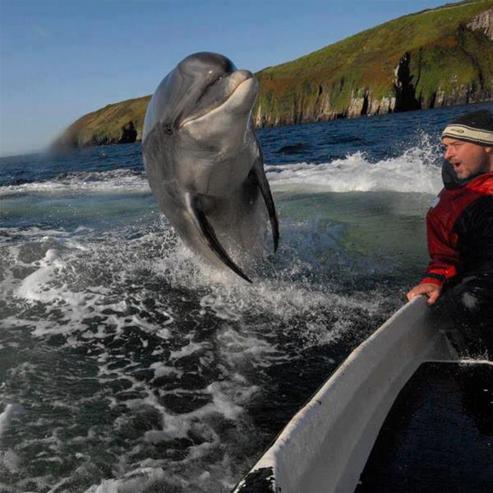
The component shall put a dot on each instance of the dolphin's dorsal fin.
(259, 174)
(205, 227)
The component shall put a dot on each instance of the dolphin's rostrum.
(204, 162)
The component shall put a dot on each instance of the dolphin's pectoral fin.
(259, 175)
(205, 227)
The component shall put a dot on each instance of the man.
(460, 229)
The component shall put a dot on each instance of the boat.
(403, 413)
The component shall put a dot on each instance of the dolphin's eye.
(168, 128)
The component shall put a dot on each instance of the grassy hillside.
(432, 58)
(418, 61)
(114, 124)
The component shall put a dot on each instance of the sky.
(60, 59)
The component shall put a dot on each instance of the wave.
(175, 360)
(415, 170)
(117, 180)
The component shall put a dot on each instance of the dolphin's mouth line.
(213, 110)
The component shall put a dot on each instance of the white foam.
(134, 482)
(52, 283)
(11, 461)
(12, 235)
(223, 403)
(470, 301)
(106, 278)
(118, 180)
(187, 350)
(35, 286)
(416, 170)
(5, 418)
(161, 370)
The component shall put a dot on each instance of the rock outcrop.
(483, 22)
(404, 86)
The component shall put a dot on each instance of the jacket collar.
(451, 181)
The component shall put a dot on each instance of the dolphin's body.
(204, 163)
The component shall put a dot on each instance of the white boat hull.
(325, 446)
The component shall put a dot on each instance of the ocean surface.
(127, 366)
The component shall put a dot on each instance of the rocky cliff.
(432, 58)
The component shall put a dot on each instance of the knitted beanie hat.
(475, 127)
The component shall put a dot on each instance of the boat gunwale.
(351, 369)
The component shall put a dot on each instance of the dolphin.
(204, 162)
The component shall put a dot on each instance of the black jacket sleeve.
(474, 228)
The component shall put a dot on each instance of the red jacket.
(455, 227)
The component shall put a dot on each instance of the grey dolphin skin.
(204, 162)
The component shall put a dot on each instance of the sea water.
(126, 365)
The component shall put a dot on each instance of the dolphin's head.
(205, 102)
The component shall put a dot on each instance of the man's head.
(468, 142)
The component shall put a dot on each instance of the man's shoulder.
(482, 184)
(475, 188)
(452, 202)
(476, 220)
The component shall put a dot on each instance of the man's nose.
(448, 153)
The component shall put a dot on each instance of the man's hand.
(431, 290)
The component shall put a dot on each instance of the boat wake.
(416, 169)
(149, 363)
(130, 366)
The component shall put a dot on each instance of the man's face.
(468, 159)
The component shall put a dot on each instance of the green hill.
(114, 124)
(432, 58)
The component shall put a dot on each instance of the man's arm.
(442, 247)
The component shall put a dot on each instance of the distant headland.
(437, 57)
